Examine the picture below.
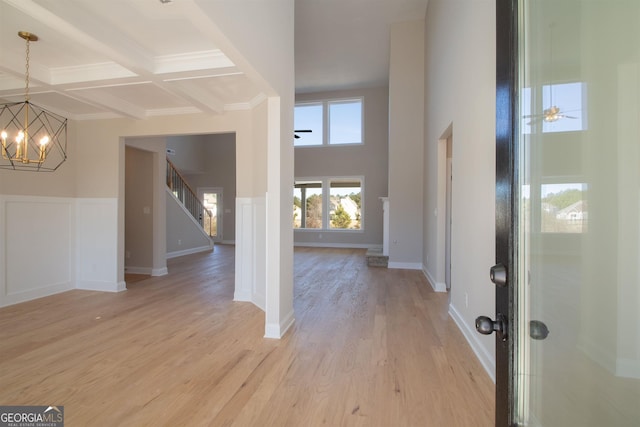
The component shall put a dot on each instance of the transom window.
(333, 122)
(328, 204)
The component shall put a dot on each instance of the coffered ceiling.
(142, 58)
(118, 58)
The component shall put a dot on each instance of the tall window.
(328, 203)
(334, 122)
(345, 210)
(307, 204)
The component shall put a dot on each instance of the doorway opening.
(447, 215)
(444, 210)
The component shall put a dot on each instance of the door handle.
(486, 326)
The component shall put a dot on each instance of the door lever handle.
(486, 326)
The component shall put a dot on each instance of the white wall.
(138, 211)
(406, 114)
(460, 95)
(184, 235)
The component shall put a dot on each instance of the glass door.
(212, 205)
(576, 311)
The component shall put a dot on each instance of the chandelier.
(33, 139)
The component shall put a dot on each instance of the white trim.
(618, 366)
(163, 271)
(487, 361)
(61, 283)
(332, 245)
(16, 298)
(102, 286)
(437, 286)
(277, 331)
(190, 251)
(405, 265)
(137, 270)
(628, 368)
(326, 126)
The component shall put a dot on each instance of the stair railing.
(179, 187)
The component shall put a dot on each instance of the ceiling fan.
(300, 131)
(553, 113)
(549, 115)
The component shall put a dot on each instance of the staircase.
(179, 187)
(375, 258)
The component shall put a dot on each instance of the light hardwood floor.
(370, 347)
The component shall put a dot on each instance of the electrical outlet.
(179, 242)
(466, 300)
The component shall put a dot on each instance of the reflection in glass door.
(578, 295)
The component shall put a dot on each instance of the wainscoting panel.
(250, 247)
(97, 245)
(37, 247)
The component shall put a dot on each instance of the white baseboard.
(332, 245)
(628, 368)
(102, 286)
(277, 331)
(189, 251)
(137, 270)
(159, 271)
(437, 286)
(16, 298)
(242, 295)
(163, 271)
(487, 361)
(405, 265)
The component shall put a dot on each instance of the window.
(563, 208)
(345, 199)
(328, 204)
(307, 204)
(309, 117)
(335, 122)
(345, 122)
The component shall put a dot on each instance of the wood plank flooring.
(370, 347)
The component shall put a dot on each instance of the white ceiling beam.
(109, 102)
(194, 94)
(83, 28)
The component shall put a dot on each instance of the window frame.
(326, 202)
(326, 125)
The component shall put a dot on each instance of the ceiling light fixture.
(33, 139)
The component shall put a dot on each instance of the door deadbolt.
(486, 326)
(498, 275)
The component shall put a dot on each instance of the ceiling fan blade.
(303, 130)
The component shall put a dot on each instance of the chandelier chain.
(26, 79)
